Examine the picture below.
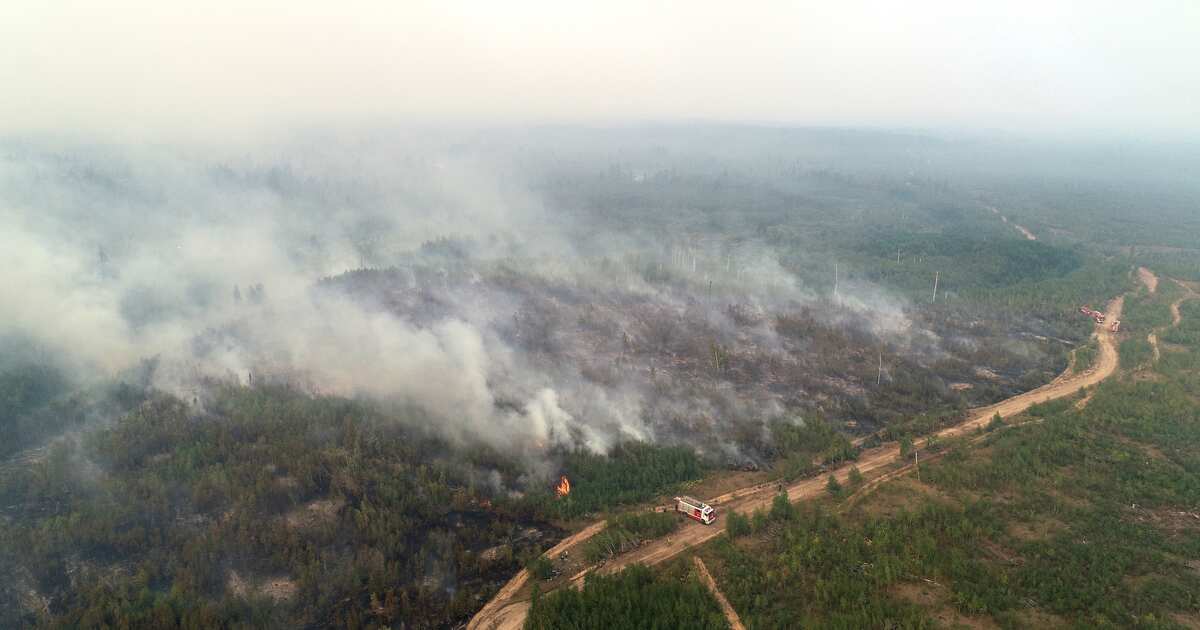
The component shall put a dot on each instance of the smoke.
(116, 254)
(504, 317)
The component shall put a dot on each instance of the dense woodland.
(269, 506)
(1058, 518)
(634, 598)
(703, 288)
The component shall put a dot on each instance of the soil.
(1148, 278)
(735, 622)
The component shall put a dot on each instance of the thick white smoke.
(151, 271)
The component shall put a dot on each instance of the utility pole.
(835, 281)
(879, 374)
(935, 283)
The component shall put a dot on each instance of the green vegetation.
(1085, 356)
(631, 472)
(264, 507)
(1135, 352)
(634, 598)
(626, 531)
(1188, 331)
(1085, 518)
(38, 401)
(540, 567)
(1146, 311)
(804, 445)
(358, 518)
(963, 261)
(737, 524)
(362, 518)
(855, 476)
(1045, 409)
(835, 571)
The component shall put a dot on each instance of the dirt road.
(1148, 278)
(1026, 233)
(735, 622)
(1029, 236)
(1191, 294)
(1151, 281)
(507, 612)
(500, 612)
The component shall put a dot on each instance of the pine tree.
(833, 487)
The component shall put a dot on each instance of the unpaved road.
(1020, 228)
(507, 612)
(735, 622)
(1176, 316)
(1191, 294)
(500, 612)
(1028, 235)
(1148, 278)
(1151, 281)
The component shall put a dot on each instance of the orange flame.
(564, 486)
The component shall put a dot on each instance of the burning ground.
(294, 394)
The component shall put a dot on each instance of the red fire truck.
(695, 508)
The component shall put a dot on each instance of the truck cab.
(695, 509)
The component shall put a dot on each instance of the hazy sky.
(1042, 65)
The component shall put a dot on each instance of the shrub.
(833, 487)
(739, 525)
(855, 477)
(540, 567)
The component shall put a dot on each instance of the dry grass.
(314, 513)
(935, 598)
(899, 494)
(1190, 620)
(1036, 530)
(278, 588)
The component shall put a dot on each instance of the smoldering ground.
(455, 277)
(117, 254)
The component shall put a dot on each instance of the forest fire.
(564, 486)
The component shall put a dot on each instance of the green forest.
(635, 598)
(277, 508)
(644, 319)
(1060, 517)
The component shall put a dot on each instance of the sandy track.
(880, 457)
(1148, 278)
(1151, 281)
(1029, 236)
(735, 622)
(505, 612)
(492, 614)
(1191, 294)
(1026, 233)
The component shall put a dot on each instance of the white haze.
(224, 69)
(114, 255)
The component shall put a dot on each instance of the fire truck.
(1096, 315)
(695, 508)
